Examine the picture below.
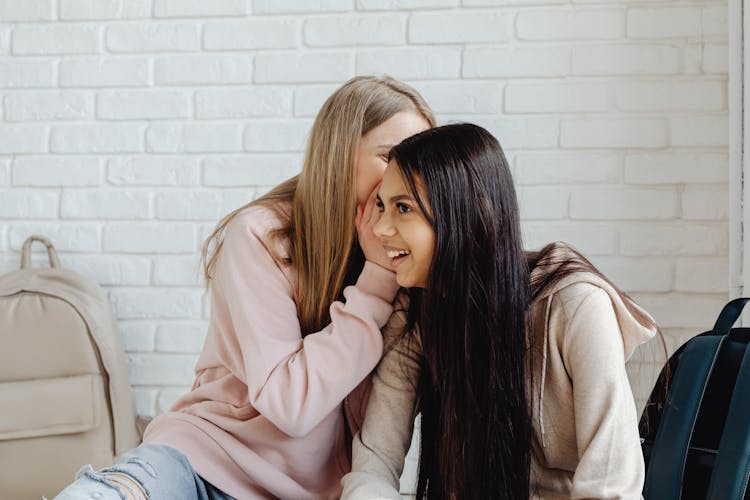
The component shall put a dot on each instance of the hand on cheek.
(367, 217)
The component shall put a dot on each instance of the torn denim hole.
(113, 473)
(87, 471)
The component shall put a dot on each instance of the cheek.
(369, 175)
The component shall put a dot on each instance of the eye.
(403, 208)
(379, 204)
(384, 158)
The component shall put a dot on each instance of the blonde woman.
(300, 288)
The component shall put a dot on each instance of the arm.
(379, 449)
(610, 459)
(294, 382)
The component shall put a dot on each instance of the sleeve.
(379, 449)
(294, 382)
(610, 460)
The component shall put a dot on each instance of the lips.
(397, 255)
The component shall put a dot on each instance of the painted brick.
(27, 73)
(623, 204)
(625, 60)
(244, 103)
(300, 6)
(671, 96)
(56, 39)
(702, 275)
(558, 98)
(705, 204)
(459, 27)
(276, 136)
(308, 99)
(619, 133)
(67, 236)
(105, 204)
(18, 204)
(715, 59)
(149, 237)
(543, 203)
(418, 63)
(143, 105)
(561, 168)
(5, 33)
(104, 9)
(154, 171)
(48, 106)
(249, 170)
(27, 10)
(373, 29)
(294, 67)
(153, 37)
(104, 72)
(686, 311)
(715, 21)
(160, 369)
(667, 22)
(675, 167)
(199, 8)
(144, 401)
(203, 69)
(521, 133)
(194, 138)
(18, 139)
(673, 239)
(526, 62)
(568, 24)
(178, 270)
(99, 138)
(638, 275)
(591, 239)
(462, 97)
(180, 337)
(137, 336)
(252, 34)
(53, 171)
(695, 131)
(111, 270)
(232, 199)
(405, 4)
(188, 205)
(4, 171)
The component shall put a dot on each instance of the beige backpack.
(64, 388)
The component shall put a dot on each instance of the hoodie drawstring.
(544, 369)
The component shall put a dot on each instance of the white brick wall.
(127, 128)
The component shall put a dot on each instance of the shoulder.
(581, 294)
(258, 223)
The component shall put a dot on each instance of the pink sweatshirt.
(266, 415)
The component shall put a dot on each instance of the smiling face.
(372, 153)
(403, 229)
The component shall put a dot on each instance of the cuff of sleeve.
(378, 281)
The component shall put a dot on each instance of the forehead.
(393, 181)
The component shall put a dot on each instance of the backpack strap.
(729, 315)
(669, 453)
(26, 251)
(732, 467)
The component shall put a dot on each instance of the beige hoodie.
(585, 441)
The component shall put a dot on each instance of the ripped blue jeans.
(162, 473)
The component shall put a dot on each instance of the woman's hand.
(367, 217)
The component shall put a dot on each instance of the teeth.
(396, 253)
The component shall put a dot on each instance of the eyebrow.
(398, 197)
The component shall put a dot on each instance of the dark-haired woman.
(515, 360)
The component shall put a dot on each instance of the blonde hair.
(320, 221)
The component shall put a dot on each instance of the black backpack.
(696, 437)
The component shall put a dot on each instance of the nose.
(384, 228)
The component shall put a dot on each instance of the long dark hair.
(476, 424)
